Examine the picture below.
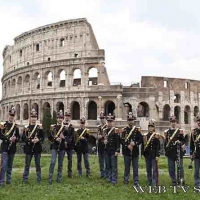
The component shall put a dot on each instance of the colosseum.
(60, 66)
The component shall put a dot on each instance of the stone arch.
(48, 77)
(143, 109)
(92, 110)
(177, 113)
(46, 105)
(25, 111)
(18, 111)
(109, 107)
(13, 83)
(46, 108)
(37, 80)
(36, 107)
(177, 98)
(3, 112)
(128, 107)
(166, 112)
(76, 77)
(27, 82)
(75, 108)
(8, 87)
(187, 115)
(19, 84)
(60, 106)
(5, 89)
(93, 76)
(62, 80)
(196, 110)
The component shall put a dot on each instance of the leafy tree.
(47, 119)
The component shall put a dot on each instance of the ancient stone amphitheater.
(60, 66)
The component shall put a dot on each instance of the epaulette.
(26, 126)
(52, 126)
(145, 134)
(76, 129)
(40, 126)
(165, 131)
(2, 123)
(99, 126)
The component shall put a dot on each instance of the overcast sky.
(140, 37)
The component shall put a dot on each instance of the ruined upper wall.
(62, 40)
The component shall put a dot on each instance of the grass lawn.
(94, 188)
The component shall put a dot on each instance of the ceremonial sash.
(8, 133)
(58, 133)
(80, 135)
(111, 131)
(170, 139)
(33, 131)
(130, 134)
(147, 144)
(197, 138)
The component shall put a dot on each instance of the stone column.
(40, 111)
(99, 104)
(182, 115)
(119, 110)
(21, 111)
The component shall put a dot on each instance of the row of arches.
(25, 82)
(177, 113)
(92, 109)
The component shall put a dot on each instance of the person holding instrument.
(33, 136)
(9, 134)
(151, 152)
(131, 138)
(57, 139)
(81, 147)
(112, 149)
(69, 141)
(195, 150)
(174, 150)
(101, 146)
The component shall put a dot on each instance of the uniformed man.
(151, 152)
(81, 148)
(174, 140)
(69, 141)
(57, 139)
(9, 134)
(131, 139)
(112, 149)
(33, 136)
(195, 150)
(101, 146)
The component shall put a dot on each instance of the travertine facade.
(60, 66)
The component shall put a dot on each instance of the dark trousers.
(151, 168)
(102, 165)
(196, 171)
(69, 164)
(28, 159)
(86, 163)
(6, 167)
(54, 154)
(127, 164)
(172, 170)
(111, 163)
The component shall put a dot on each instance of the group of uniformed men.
(64, 139)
